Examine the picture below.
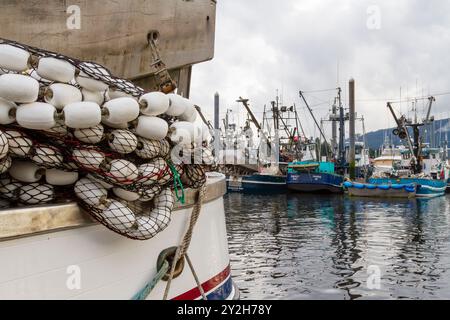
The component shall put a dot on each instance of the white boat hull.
(91, 262)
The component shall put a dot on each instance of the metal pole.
(352, 150)
(341, 131)
(334, 129)
(216, 111)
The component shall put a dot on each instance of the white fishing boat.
(59, 252)
(54, 248)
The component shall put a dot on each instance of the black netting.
(87, 69)
(35, 193)
(5, 164)
(122, 141)
(193, 176)
(134, 220)
(148, 149)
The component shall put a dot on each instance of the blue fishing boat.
(426, 188)
(314, 176)
(257, 184)
(423, 163)
(380, 190)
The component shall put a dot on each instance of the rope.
(184, 246)
(145, 292)
(194, 273)
(178, 185)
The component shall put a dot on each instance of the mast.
(341, 130)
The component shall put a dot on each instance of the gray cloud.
(292, 45)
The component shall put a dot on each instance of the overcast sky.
(267, 45)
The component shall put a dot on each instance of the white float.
(126, 195)
(19, 144)
(36, 193)
(82, 115)
(152, 128)
(148, 149)
(91, 192)
(143, 225)
(114, 94)
(19, 88)
(55, 69)
(150, 194)
(57, 177)
(164, 169)
(149, 173)
(88, 158)
(119, 216)
(59, 95)
(36, 116)
(154, 172)
(94, 96)
(25, 171)
(90, 135)
(177, 106)
(4, 145)
(154, 103)
(47, 156)
(165, 148)
(165, 199)
(190, 114)
(122, 141)
(182, 133)
(91, 84)
(7, 111)
(121, 110)
(13, 58)
(123, 171)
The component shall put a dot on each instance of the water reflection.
(320, 247)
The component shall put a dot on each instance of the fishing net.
(125, 181)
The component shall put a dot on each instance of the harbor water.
(300, 246)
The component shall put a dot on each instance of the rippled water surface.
(301, 246)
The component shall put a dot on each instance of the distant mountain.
(440, 129)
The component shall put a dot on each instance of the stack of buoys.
(71, 128)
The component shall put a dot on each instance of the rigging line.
(318, 91)
(405, 100)
(321, 100)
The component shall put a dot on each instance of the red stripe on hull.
(207, 286)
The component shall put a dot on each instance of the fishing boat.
(380, 190)
(59, 251)
(426, 187)
(47, 251)
(314, 176)
(424, 167)
(257, 184)
(283, 138)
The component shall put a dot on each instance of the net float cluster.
(69, 129)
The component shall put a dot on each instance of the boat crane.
(402, 132)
